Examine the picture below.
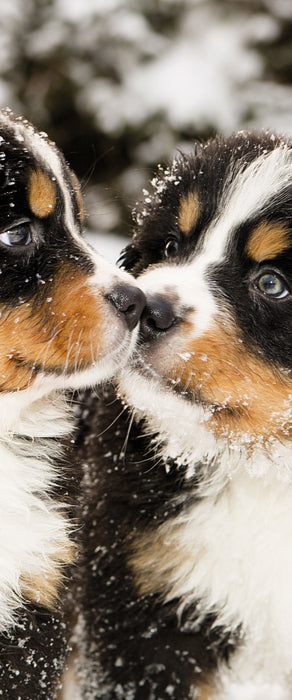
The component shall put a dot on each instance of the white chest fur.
(238, 550)
(34, 540)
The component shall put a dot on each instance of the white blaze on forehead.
(245, 196)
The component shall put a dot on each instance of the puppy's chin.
(101, 370)
(162, 363)
(152, 396)
(179, 427)
(155, 374)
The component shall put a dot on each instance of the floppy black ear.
(129, 257)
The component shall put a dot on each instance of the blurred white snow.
(206, 73)
(109, 245)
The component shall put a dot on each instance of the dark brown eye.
(19, 235)
(171, 247)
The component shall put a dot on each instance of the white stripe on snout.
(106, 276)
(243, 197)
(189, 284)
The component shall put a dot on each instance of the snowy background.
(120, 85)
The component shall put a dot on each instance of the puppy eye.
(171, 247)
(273, 286)
(19, 235)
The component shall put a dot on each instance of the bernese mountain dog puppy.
(185, 587)
(67, 320)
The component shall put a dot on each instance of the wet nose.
(128, 301)
(157, 318)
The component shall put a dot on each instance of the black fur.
(32, 656)
(138, 644)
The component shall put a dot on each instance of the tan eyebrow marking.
(44, 587)
(189, 211)
(41, 193)
(268, 240)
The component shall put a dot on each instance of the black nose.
(157, 318)
(129, 301)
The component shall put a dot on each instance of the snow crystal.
(150, 632)
(154, 668)
(109, 246)
(185, 355)
(119, 662)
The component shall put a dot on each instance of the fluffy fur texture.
(66, 321)
(188, 476)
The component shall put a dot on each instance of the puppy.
(67, 319)
(187, 568)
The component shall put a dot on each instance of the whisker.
(122, 454)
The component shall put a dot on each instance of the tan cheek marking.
(13, 376)
(245, 395)
(65, 331)
(79, 314)
(267, 241)
(77, 190)
(189, 212)
(43, 587)
(41, 194)
(158, 558)
(204, 691)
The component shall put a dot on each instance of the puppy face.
(66, 315)
(213, 253)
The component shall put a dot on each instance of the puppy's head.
(213, 253)
(67, 317)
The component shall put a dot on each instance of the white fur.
(30, 523)
(189, 282)
(250, 691)
(182, 431)
(240, 546)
